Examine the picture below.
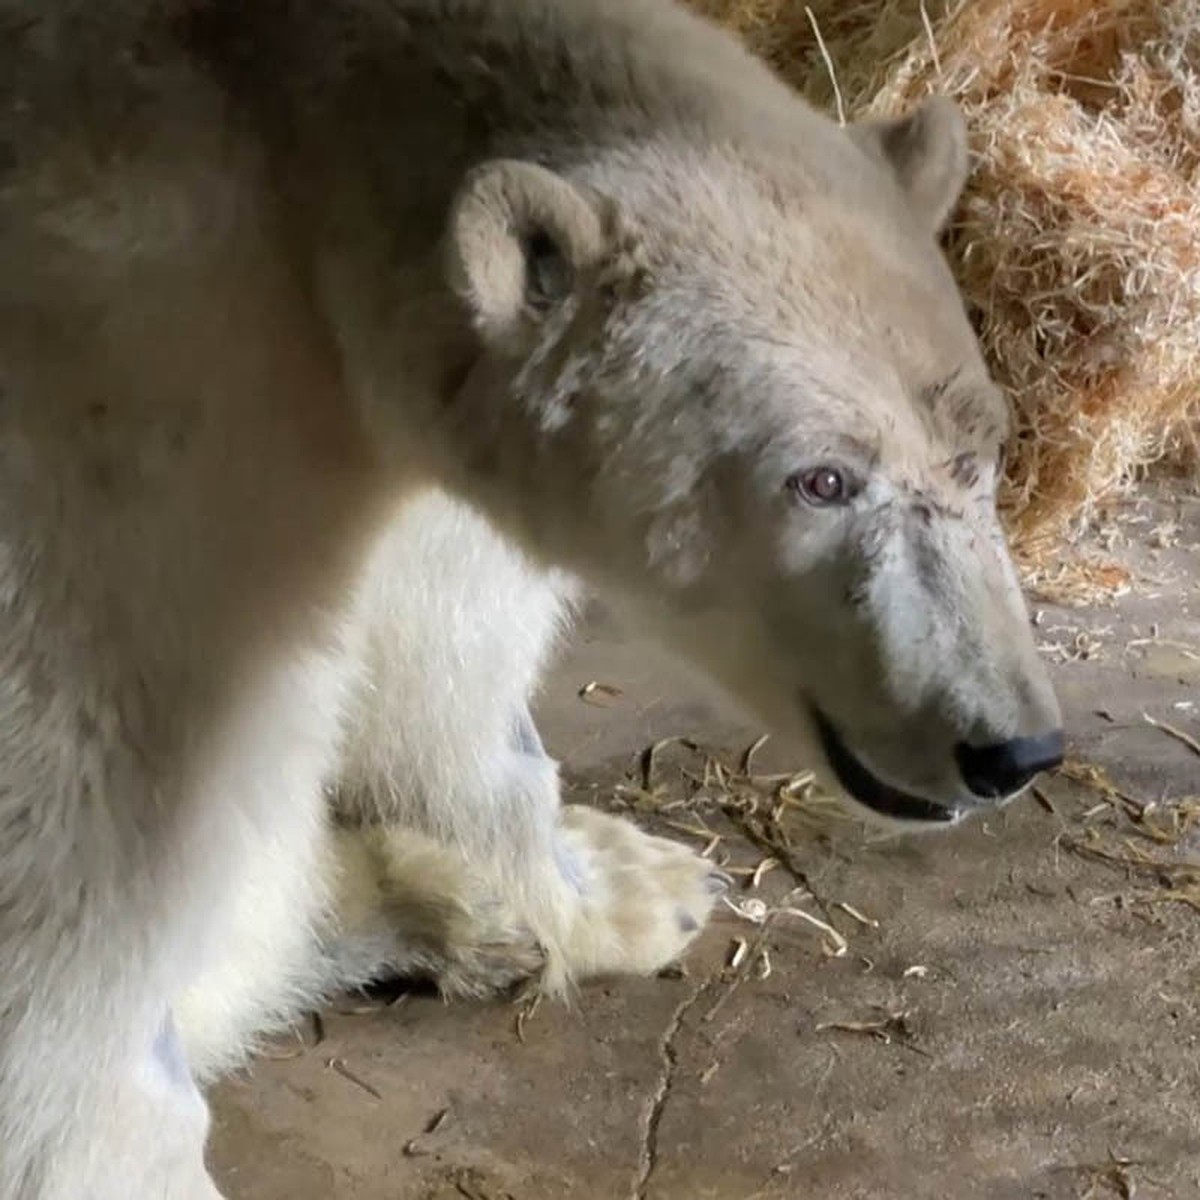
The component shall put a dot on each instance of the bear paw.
(641, 899)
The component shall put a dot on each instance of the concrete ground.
(1015, 1015)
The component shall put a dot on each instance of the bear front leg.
(461, 836)
(603, 896)
(574, 893)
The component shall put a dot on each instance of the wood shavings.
(1142, 852)
(756, 912)
(415, 1147)
(1039, 794)
(741, 948)
(1185, 648)
(753, 910)
(602, 695)
(767, 864)
(888, 1028)
(1156, 821)
(1114, 1176)
(1173, 731)
(694, 829)
(1080, 646)
(751, 750)
(761, 806)
(836, 944)
(850, 911)
(1178, 879)
(339, 1066)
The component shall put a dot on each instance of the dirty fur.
(336, 341)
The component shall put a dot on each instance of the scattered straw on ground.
(767, 809)
(781, 815)
(772, 814)
(1145, 840)
(1078, 241)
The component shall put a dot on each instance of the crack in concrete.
(785, 855)
(668, 1065)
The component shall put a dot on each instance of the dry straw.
(1078, 241)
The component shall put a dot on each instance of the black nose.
(1006, 767)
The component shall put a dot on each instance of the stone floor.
(1015, 1016)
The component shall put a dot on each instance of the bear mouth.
(871, 791)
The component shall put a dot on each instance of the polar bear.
(338, 339)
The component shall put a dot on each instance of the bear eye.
(821, 485)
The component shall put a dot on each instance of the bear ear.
(519, 237)
(927, 150)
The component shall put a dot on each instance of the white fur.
(279, 281)
(568, 893)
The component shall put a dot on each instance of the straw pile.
(1078, 241)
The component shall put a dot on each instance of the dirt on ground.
(1007, 1011)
